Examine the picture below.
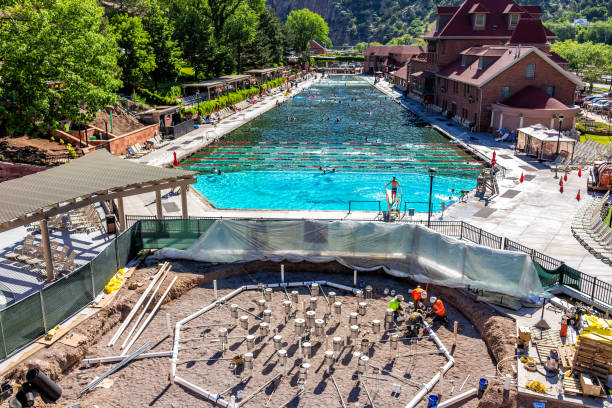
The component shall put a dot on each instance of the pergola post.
(121, 214)
(184, 202)
(158, 204)
(46, 246)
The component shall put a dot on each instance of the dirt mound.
(122, 122)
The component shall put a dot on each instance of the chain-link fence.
(25, 321)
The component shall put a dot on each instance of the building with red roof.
(388, 58)
(485, 53)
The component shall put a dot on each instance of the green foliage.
(597, 32)
(304, 26)
(232, 98)
(167, 53)
(592, 60)
(58, 63)
(136, 58)
(153, 98)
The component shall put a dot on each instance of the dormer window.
(463, 60)
(480, 63)
(479, 20)
(513, 20)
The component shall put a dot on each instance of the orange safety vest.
(438, 308)
(416, 294)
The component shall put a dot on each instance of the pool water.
(283, 159)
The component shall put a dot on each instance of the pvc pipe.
(258, 390)
(151, 315)
(458, 398)
(113, 359)
(130, 316)
(214, 398)
(210, 306)
(144, 311)
(282, 273)
(429, 386)
(175, 350)
(338, 286)
(215, 288)
(355, 277)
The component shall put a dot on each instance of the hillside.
(353, 21)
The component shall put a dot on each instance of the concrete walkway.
(533, 213)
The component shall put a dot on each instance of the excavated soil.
(146, 382)
(122, 122)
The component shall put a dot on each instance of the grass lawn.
(599, 139)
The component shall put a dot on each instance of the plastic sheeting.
(402, 250)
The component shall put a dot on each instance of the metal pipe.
(252, 314)
(140, 301)
(338, 390)
(368, 394)
(258, 390)
(151, 315)
(429, 386)
(242, 380)
(300, 392)
(113, 359)
(214, 398)
(144, 311)
(458, 398)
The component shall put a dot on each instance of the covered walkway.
(94, 178)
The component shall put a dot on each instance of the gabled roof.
(529, 31)
(386, 50)
(460, 24)
(479, 8)
(512, 9)
(532, 97)
(446, 10)
(402, 72)
(470, 73)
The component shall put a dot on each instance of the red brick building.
(316, 48)
(482, 54)
(388, 58)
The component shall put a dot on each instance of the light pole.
(559, 135)
(432, 173)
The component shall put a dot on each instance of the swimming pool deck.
(532, 213)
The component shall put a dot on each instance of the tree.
(241, 29)
(304, 26)
(167, 53)
(592, 60)
(269, 44)
(58, 63)
(136, 57)
(220, 11)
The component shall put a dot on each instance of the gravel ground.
(146, 382)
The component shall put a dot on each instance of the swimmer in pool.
(394, 183)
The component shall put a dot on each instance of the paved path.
(533, 213)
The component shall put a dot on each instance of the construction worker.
(419, 295)
(396, 305)
(438, 310)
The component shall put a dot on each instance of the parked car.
(598, 106)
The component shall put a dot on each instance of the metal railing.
(363, 201)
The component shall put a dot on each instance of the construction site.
(263, 334)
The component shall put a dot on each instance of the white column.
(552, 123)
(501, 120)
(521, 121)
(492, 118)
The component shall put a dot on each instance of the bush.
(208, 107)
(156, 99)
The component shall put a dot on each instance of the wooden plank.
(108, 297)
(35, 349)
(566, 356)
(63, 330)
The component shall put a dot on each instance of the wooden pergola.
(93, 178)
(264, 74)
(221, 82)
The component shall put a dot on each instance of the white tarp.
(403, 250)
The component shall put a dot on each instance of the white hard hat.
(424, 295)
(433, 299)
(400, 298)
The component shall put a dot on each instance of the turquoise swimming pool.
(339, 141)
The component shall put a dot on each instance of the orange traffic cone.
(565, 177)
(578, 196)
(579, 172)
(522, 178)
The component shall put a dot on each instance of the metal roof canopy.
(263, 70)
(95, 177)
(234, 78)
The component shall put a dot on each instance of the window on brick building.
(514, 18)
(550, 90)
(479, 20)
(530, 70)
(505, 92)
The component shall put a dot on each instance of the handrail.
(413, 202)
(363, 201)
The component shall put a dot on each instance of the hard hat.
(418, 286)
(423, 295)
(433, 299)
(400, 298)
